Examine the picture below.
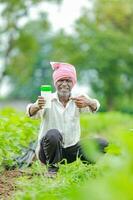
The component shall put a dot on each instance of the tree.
(107, 48)
(23, 50)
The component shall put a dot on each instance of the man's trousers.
(52, 152)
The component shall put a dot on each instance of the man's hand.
(38, 105)
(82, 102)
(41, 102)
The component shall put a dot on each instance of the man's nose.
(64, 82)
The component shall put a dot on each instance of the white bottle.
(46, 93)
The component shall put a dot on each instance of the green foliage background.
(16, 132)
(100, 47)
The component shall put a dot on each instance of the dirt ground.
(7, 183)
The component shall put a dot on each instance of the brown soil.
(7, 183)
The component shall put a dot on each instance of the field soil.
(7, 183)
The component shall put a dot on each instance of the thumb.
(73, 98)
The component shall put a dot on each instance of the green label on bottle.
(46, 88)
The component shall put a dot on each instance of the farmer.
(59, 136)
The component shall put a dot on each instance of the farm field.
(110, 178)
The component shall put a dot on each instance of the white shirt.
(65, 119)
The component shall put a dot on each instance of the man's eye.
(69, 81)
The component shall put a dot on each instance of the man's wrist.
(33, 109)
(92, 105)
(36, 106)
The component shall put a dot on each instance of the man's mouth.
(64, 89)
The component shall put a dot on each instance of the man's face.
(64, 87)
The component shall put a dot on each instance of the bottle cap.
(46, 88)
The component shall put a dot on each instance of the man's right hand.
(41, 102)
(38, 105)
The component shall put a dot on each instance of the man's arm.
(35, 107)
(93, 105)
(84, 102)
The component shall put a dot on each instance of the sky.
(61, 16)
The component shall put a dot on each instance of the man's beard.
(64, 94)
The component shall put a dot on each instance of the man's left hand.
(82, 102)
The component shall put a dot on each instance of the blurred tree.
(25, 46)
(101, 48)
(12, 12)
(30, 57)
(106, 42)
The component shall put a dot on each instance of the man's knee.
(52, 136)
